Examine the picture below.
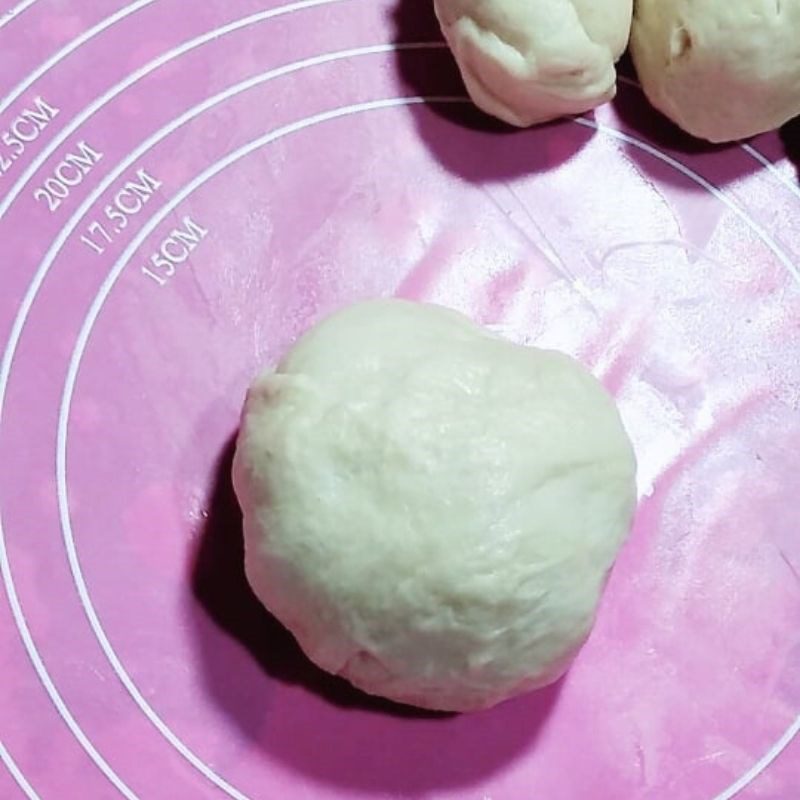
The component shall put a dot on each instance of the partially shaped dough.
(721, 69)
(529, 61)
(431, 509)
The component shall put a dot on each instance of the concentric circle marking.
(86, 329)
(143, 72)
(6, 370)
(148, 144)
(784, 741)
(119, 266)
(17, 329)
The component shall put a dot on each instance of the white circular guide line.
(109, 282)
(762, 763)
(13, 13)
(17, 775)
(142, 72)
(772, 168)
(160, 135)
(74, 45)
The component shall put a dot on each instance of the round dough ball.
(431, 509)
(721, 69)
(538, 60)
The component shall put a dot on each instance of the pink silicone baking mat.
(184, 188)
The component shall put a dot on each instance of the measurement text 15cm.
(174, 250)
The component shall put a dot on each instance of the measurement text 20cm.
(70, 172)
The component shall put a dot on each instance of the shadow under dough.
(317, 724)
(790, 136)
(719, 163)
(466, 141)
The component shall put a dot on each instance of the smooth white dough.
(431, 509)
(529, 61)
(721, 69)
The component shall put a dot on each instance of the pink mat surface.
(184, 188)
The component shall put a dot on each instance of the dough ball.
(528, 62)
(721, 69)
(430, 509)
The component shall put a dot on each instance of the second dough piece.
(529, 62)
